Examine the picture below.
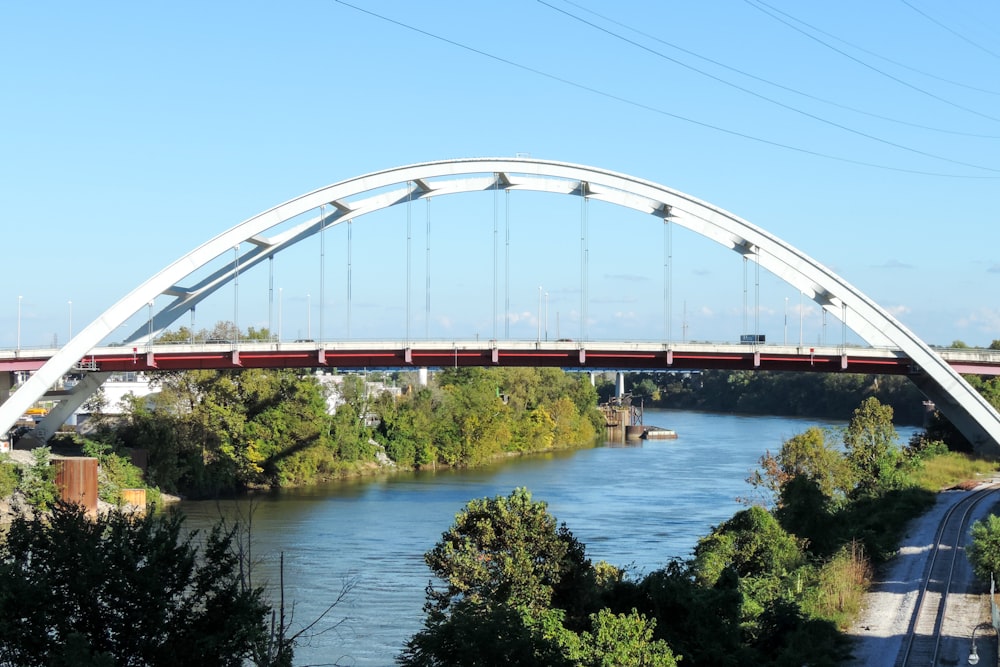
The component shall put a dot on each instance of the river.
(637, 505)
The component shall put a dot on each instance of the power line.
(652, 109)
(789, 89)
(891, 61)
(764, 97)
(955, 33)
(759, 5)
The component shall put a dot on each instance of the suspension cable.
(322, 266)
(427, 262)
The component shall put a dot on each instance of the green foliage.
(116, 474)
(827, 395)
(482, 635)
(623, 640)
(810, 455)
(761, 589)
(39, 481)
(988, 387)
(10, 476)
(475, 414)
(873, 449)
(752, 543)
(984, 552)
(839, 587)
(122, 590)
(215, 431)
(506, 550)
(517, 585)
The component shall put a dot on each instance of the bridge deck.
(561, 354)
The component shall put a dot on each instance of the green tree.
(810, 454)
(39, 480)
(123, 589)
(506, 549)
(873, 449)
(623, 640)
(752, 543)
(513, 579)
(10, 476)
(984, 552)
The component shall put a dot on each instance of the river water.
(637, 506)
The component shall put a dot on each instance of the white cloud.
(983, 319)
(898, 310)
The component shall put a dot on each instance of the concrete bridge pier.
(619, 384)
(422, 377)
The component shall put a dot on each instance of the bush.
(39, 481)
(984, 552)
(10, 476)
(123, 590)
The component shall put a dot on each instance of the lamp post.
(70, 320)
(973, 653)
(19, 297)
(546, 316)
(279, 314)
(309, 315)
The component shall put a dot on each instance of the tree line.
(788, 394)
(221, 431)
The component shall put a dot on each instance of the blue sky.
(865, 134)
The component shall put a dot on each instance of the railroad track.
(922, 644)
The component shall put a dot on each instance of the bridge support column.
(619, 384)
(982, 441)
(6, 382)
(422, 377)
(68, 404)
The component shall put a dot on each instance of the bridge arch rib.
(353, 198)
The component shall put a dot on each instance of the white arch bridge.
(356, 197)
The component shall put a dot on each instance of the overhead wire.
(891, 61)
(656, 110)
(953, 32)
(753, 93)
(789, 89)
(760, 6)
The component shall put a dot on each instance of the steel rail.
(923, 638)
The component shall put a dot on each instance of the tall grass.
(841, 583)
(949, 470)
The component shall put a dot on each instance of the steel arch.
(355, 197)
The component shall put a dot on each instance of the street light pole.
(19, 297)
(546, 316)
(309, 316)
(973, 653)
(279, 314)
